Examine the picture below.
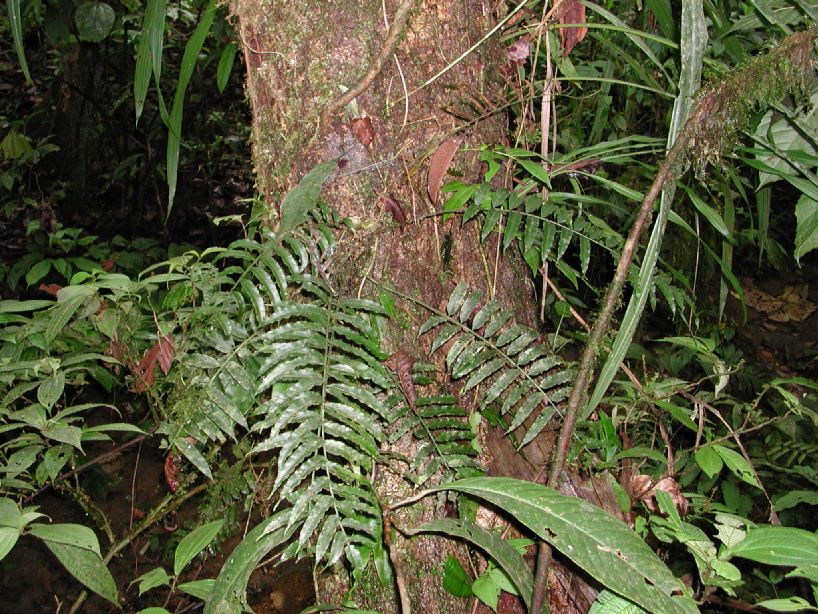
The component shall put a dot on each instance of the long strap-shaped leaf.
(593, 539)
(693, 44)
(149, 53)
(16, 21)
(192, 49)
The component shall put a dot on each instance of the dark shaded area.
(122, 490)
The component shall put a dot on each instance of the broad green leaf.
(152, 579)
(795, 497)
(87, 567)
(10, 514)
(609, 603)
(94, 20)
(8, 538)
(154, 610)
(303, 198)
(193, 543)
(61, 315)
(486, 590)
(225, 66)
(783, 135)
(191, 452)
(536, 171)
(455, 579)
(198, 588)
(498, 550)
(38, 271)
(709, 460)
(593, 539)
(789, 604)
(9, 306)
(76, 535)
(64, 433)
(784, 546)
(51, 389)
(191, 55)
(806, 229)
(737, 464)
(710, 214)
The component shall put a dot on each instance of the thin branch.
(165, 506)
(375, 68)
(99, 459)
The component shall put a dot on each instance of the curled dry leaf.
(165, 353)
(640, 486)
(171, 472)
(162, 354)
(572, 12)
(643, 489)
(361, 128)
(440, 163)
(519, 50)
(51, 289)
(395, 208)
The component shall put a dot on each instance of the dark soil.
(32, 580)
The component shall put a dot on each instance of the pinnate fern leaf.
(501, 359)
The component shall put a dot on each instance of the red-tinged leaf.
(439, 165)
(171, 472)
(361, 128)
(51, 289)
(145, 370)
(108, 264)
(572, 13)
(395, 208)
(166, 353)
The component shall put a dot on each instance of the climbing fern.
(505, 361)
(446, 435)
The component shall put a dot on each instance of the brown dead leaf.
(160, 354)
(361, 128)
(791, 305)
(643, 490)
(401, 363)
(171, 472)
(439, 165)
(573, 12)
(395, 208)
(51, 289)
(640, 486)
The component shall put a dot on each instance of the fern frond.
(446, 436)
(503, 359)
(320, 365)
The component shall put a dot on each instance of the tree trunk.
(300, 57)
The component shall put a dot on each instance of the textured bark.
(302, 56)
